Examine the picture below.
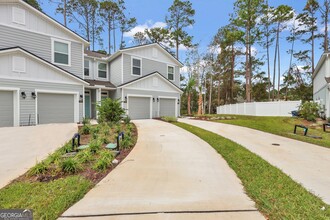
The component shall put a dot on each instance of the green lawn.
(47, 200)
(276, 195)
(282, 126)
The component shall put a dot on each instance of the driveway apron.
(170, 174)
(22, 147)
(306, 163)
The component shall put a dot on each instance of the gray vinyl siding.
(148, 66)
(154, 95)
(40, 45)
(116, 71)
(28, 105)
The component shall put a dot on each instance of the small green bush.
(86, 129)
(84, 156)
(70, 165)
(39, 168)
(169, 119)
(104, 139)
(104, 161)
(309, 110)
(127, 120)
(86, 121)
(54, 158)
(110, 111)
(95, 145)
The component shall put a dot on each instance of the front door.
(87, 105)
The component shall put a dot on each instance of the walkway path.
(306, 163)
(170, 174)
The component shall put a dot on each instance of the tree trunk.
(177, 48)
(232, 74)
(188, 103)
(210, 96)
(64, 12)
(275, 57)
(114, 35)
(219, 90)
(200, 103)
(267, 47)
(247, 65)
(326, 18)
(279, 72)
(313, 48)
(109, 35)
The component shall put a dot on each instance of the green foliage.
(70, 165)
(110, 110)
(86, 129)
(34, 3)
(86, 121)
(104, 161)
(47, 200)
(309, 110)
(169, 119)
(276, 195)
(95, 145)
(39, 168)
(84, 156)
(126, 143)
(127, 120)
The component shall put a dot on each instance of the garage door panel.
(6, 109)
(55, 108)
(167, 107)
(139, 107)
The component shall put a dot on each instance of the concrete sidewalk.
(306, 163)
(170, 174)
(22, 147)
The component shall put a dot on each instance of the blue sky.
(210, 16)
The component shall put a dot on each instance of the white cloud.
(147, 25)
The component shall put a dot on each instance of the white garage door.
(55, 108)
(6, 109)
(139, 107)
(167, 107)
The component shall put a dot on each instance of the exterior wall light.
(178, 101)
(81, 98)
(157, 99)
(23, 94)
(125, 99)
(153, 99)
(34, 95)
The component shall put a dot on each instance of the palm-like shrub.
(110, 110)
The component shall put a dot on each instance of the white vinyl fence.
(281, 108)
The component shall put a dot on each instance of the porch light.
(157, 99)
(178, 101)
(23, 94)
(81, 98)
(125, 99)
(34, 95)
(153, 99)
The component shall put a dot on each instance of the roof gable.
(40, 69)
(154, 81)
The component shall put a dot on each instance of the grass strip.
(47, 200)
(282, 126)
(276, 195)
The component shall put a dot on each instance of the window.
(61, 52)
(170, 72)
(18, 16)
(86, 67)
(102, 70)
(136, 67)
(18, 64)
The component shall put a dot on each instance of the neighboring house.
(321, 86)
(46, 77)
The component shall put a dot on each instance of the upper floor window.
(86, 67)
(102, 70)
(136, 66)
(61, 52)
(170, 72)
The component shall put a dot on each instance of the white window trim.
(14, 64)
(13, 15)
(89, 68)
(137, 58)
(173, 72)
(53, 51)
(106, 70)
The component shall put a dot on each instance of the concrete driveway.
(306, 163)
(21, 147)
(170, 174)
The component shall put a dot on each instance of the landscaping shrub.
(86, 129)
(309, 110)
(39, 168)
(95, 145)
(110, 111)
(86, 121)
(70, 165)
(84, 156)
(104, 161)
(127, 120)
(169, 119)
(104, 139)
